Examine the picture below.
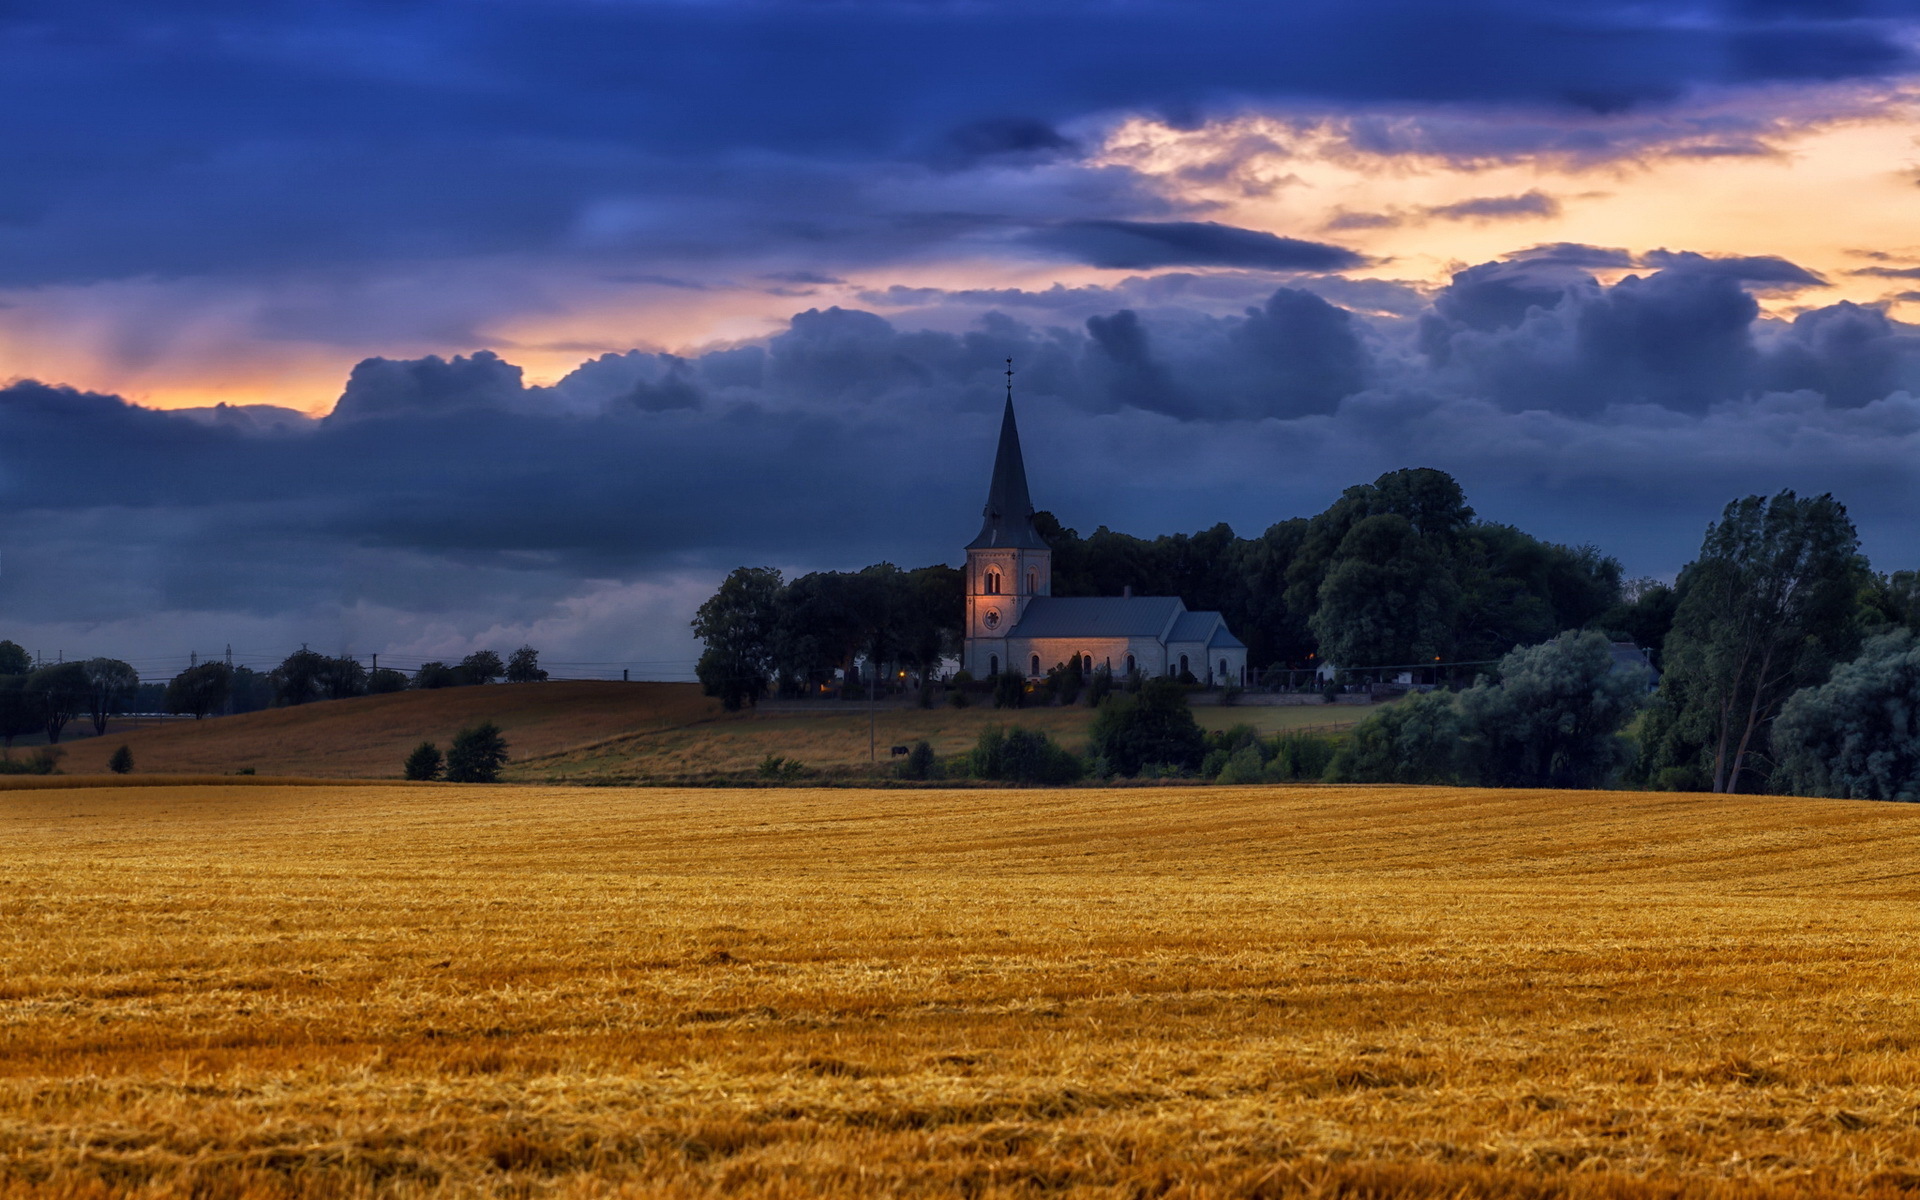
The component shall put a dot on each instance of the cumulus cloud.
(448, 494)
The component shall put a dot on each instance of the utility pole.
(873, 699)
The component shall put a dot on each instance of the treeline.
(47, 699)
(1396, 572)
(797, 636)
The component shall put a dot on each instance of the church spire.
(1009, 512)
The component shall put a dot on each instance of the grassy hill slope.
(588, 732)
(373, 990)
(371, 735)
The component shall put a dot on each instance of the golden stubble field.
(358, 990)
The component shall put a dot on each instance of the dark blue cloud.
(206, 137)
(1141, 245)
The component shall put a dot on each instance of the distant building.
(1628, 657)
(1014, 622)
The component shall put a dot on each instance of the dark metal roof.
(1194, 627)
(1009, 512)
(1226, 641)
(1096, 616)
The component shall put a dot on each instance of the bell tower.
(1008, 564)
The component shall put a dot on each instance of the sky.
(414, 327)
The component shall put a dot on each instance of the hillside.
(369, 736)
(587, 732)
(379, 990)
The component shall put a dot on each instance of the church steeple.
(1009, 512)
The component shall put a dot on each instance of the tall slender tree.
(1768, 608)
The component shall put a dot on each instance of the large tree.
(19, 709)
(301, 676)
(1767, 609)
(110, 683)
(738, 623)
(1154, 726)
(200, 690)
(62, 692)
(14, 660)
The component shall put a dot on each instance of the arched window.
(1130, 667)
(993, 664)
(1223, 669)
(1036, 666)
(1033, 583)
(993, 582)
(1184, 668)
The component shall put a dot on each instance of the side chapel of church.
(1014, 622)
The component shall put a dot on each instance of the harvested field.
(262, 991)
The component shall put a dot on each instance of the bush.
(1415, 740)
(1024, 756)
(43, 761)
(386, 680)
(774, 766)
(920, 763)
(1301, 756)
(1009, 690)
(1153, 727)
(424, 763)
(1857, 736)
(477, 755)
(957, 698)
(1553, 719)
(1245, 766)
(122, 761)
(1100, 686)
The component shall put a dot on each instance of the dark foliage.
(1024, 756)
(200, 690)
(1856, 736)
(482, 666)
(122, 761)
(424, 763)
(62, 692)
(1153, 727)
(110, 685)
(1770, 605)
(301, 676)
(477, 755)
(523, 666)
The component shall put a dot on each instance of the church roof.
(1097, 616)
(1009, 513)
(1222, 640)
(1194, 627)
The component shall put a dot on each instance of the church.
(1014, 622)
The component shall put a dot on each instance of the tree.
(482, 666)
(523, 666)
(437, 675)
(341, 678)
(1553, 718)
(19, 709)
(14, 660)
(1153, 726)
(200, 690)
(110, 683)
(300, 676)
(1414, 740)
(1644, 616)
(424, 763)
(1767, 609)
(61, 691)
(1024, 756)
(386, 680)
(1856, 736)
(477, 754)
(122, 761)
(738, 624)
(1389, 597)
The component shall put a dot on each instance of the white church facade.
(1014, 622)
